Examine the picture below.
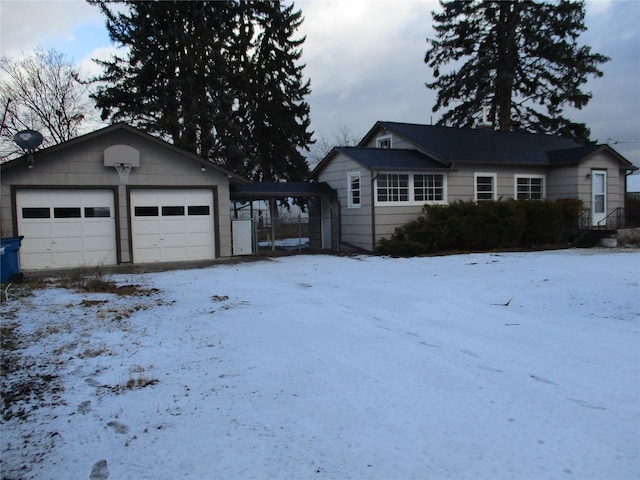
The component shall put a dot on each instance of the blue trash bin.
(9, 260)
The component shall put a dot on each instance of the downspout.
(626, 197)
(373, 211)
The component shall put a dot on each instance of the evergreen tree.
(520, 58)
(190, 76)
(272, 104)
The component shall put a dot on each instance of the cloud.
(26, 24)
(353, 43)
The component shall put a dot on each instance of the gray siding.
(361, 228)
(355, 227)
(396, 141)
(389, 218)
(563, 183)
(82, 166)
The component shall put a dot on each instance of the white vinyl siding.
(529, 187)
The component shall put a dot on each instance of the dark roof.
(570, 156)
(398, 159)
(262, 190)
(462, 145)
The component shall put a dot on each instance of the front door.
(598, 197)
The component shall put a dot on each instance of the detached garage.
(116, 195)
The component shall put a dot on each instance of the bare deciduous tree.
(342, 136)
(42, 92)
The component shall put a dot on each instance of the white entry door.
(66, 228)
(172, 225)
(598, 196)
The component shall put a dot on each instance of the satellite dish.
(28, 139)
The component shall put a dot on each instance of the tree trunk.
(506, 62)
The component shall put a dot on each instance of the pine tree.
(274, 105)
(520, 58)
(195, 74)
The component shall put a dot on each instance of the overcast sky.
(365, 59)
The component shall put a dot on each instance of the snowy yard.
(485, 366)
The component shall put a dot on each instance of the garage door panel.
(167, 223)
(174, 240)
(66, 228)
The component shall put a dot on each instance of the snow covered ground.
(484, 366)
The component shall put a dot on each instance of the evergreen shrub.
(464, 226)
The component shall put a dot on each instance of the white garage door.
(172, 225)
(66, 228)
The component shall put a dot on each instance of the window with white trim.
(529, 187)
(354, 188)
(485, 186)
(392, 187)
(428, 187)
(383, 142)
(410, 188)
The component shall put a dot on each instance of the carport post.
(272, 208)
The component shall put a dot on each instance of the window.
(428, 187)
(97, 212)
(146, 211)
(198, 209)
(485, 186)
(353, 187)
(529, 187)
(43, 212)
(393, 187)
(66, 212)
(173, 211)
(383, 142)
(410, 188)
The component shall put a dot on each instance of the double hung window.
(354, 187)
(428, 187)
(393, 187)
(529, 187)
(485, 187)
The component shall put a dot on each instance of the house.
(397, 168)
(116, 195)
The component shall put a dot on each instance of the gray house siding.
(463, 154)
(81, 166)
(396, 141)
(387, 219)
(562, 182)
(355, 230)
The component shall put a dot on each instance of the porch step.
(592, 237)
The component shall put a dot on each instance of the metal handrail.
(614, 220)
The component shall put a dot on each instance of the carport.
(250, 231)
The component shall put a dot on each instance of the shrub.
(485, 225)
